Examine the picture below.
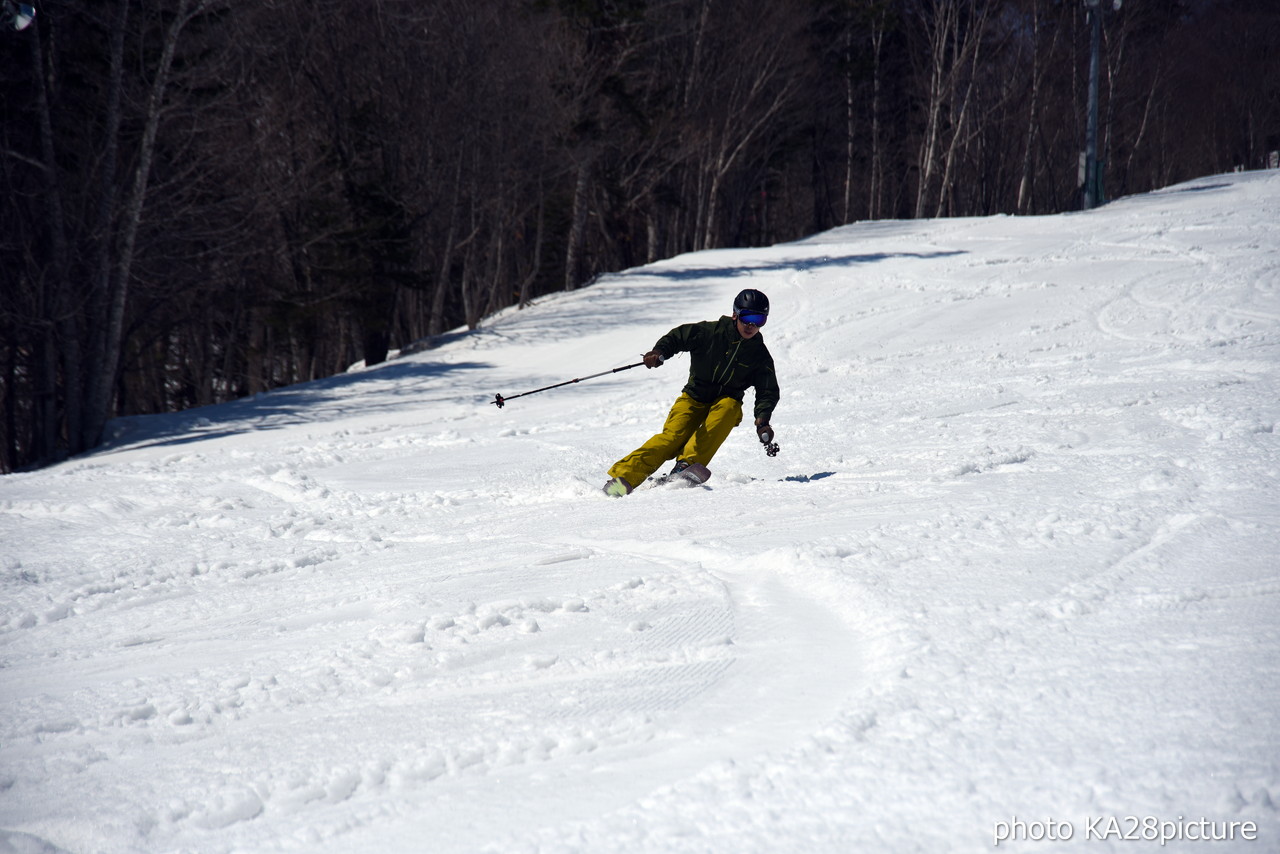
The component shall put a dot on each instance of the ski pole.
(499, 400)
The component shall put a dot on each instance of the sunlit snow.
(1018, 560)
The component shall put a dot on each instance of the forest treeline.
(204, 199)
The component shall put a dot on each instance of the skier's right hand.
(654, 359)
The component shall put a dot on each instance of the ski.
(694, 474)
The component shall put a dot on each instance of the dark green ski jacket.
(724, 364)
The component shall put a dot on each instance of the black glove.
(654, 359)
(765, 432)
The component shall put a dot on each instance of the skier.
(726, 357)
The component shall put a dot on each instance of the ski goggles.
(753, 318)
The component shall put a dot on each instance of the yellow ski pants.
(693, 431)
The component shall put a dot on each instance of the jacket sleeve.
(679, 340)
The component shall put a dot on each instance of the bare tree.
(199, 205)
(955, 31)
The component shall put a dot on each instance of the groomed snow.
(1016, 570)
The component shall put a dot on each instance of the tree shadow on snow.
(798, 264)
(365, 392)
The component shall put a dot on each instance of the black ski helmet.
(751, 300)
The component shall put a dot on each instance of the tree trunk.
(959, 127)
(59, 323)
(435, 323)
(875, 195)
(526, 283)
(577, 226)
(102, 380)
(846, 215)
(1024, 182)
(938, 31)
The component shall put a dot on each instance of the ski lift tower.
(1092, 177)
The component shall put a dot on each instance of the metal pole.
(1092, 184)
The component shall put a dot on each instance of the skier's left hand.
(764, 431)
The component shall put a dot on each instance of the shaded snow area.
(1015, 572)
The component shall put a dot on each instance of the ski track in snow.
(1016, 559)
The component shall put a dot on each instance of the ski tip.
(696, 472)
(617, 487)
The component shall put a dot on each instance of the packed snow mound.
(1012, 578)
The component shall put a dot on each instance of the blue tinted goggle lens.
(752, 318)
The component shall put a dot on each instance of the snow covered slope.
(1016, 572)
